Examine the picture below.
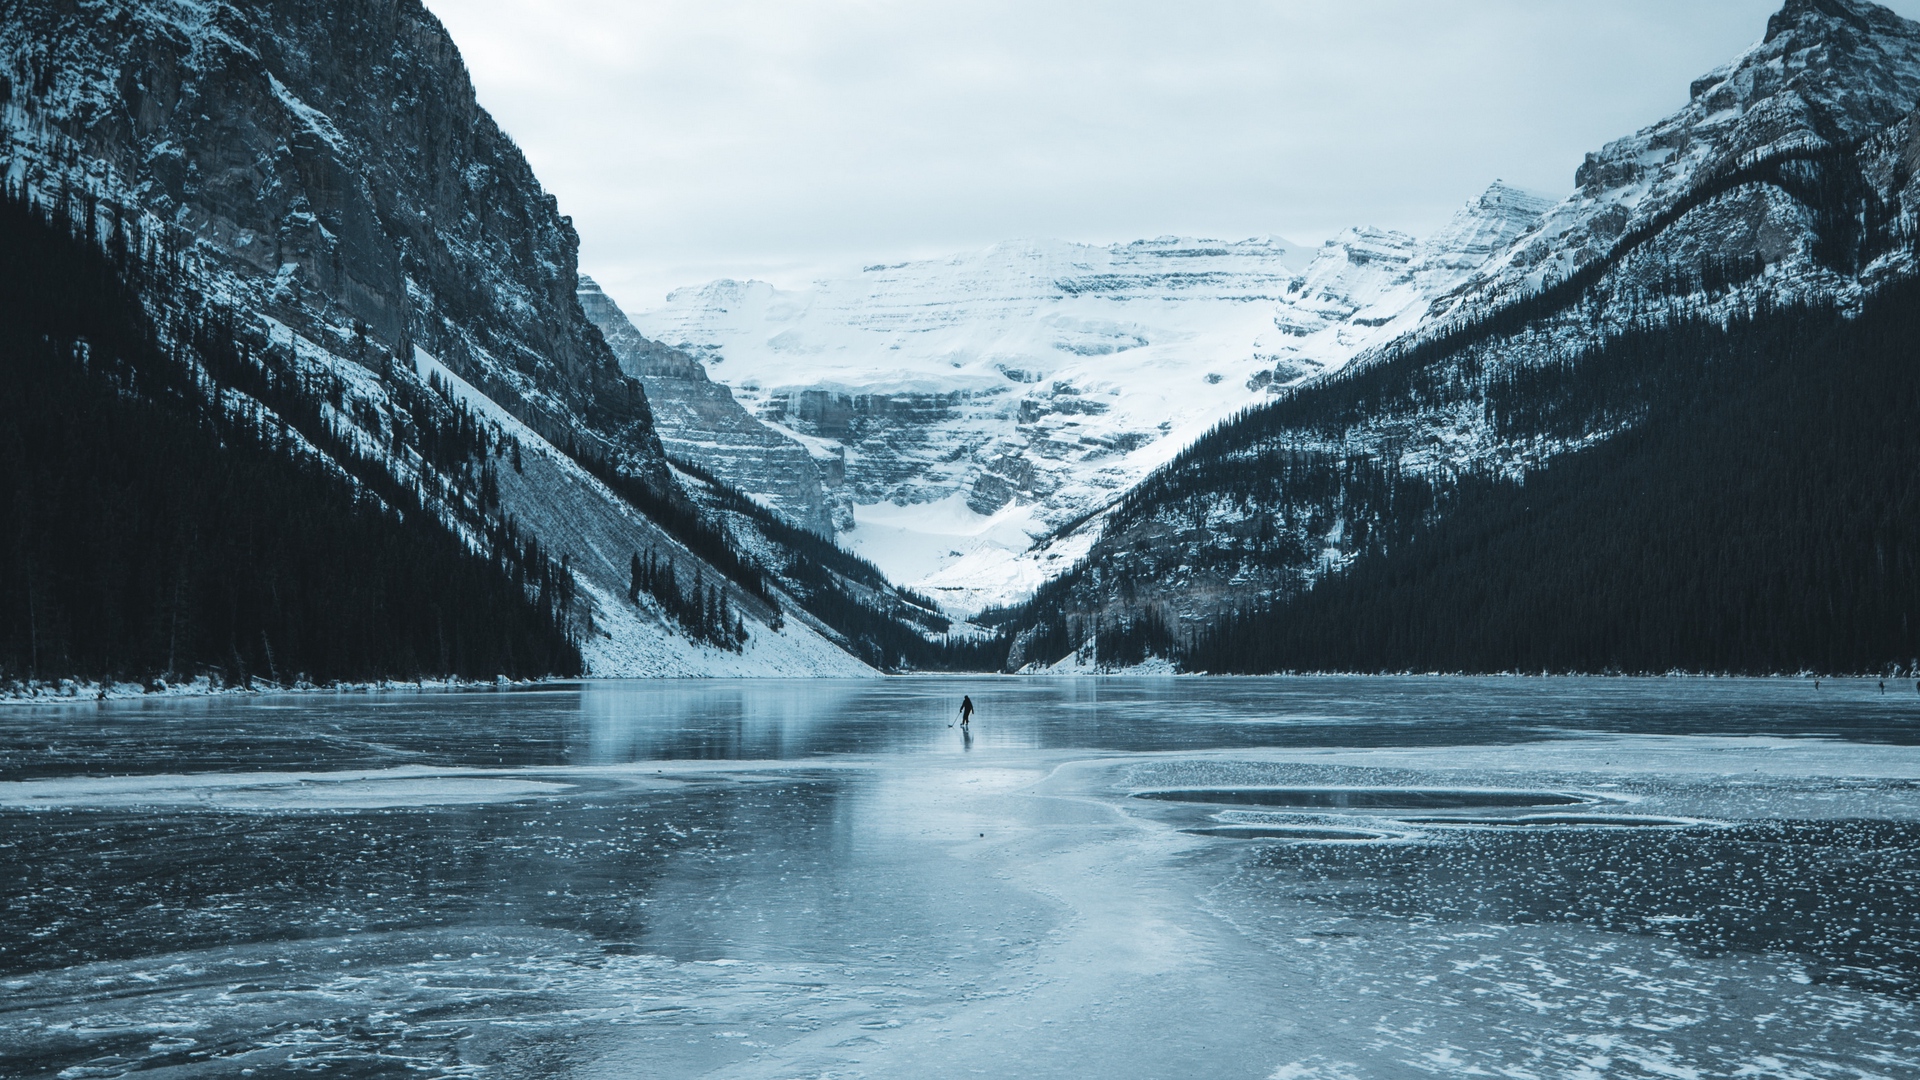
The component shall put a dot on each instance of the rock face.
(1829, 75)
(1785, 179)
(699, 421)
(983, 400)
(330, 164)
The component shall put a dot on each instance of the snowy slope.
(699, 421)
(981, 401)
(574, 513)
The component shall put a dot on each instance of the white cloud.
(692, 139)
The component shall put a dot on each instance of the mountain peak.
(1822, 15)
(1501, 195)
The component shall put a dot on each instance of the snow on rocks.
(979, 402)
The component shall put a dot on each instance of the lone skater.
(966, 711)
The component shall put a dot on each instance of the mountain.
(331, 167)
(965, 406)
(1786, 183)
(396, 294)
(1763, 516)
(698, 421)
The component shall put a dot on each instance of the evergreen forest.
(1762, 516)
(152, 533)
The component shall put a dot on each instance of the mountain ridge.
(1712, 213)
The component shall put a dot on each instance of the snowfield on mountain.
(970, 405)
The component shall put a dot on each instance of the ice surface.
(1392, 798)
(273, 791)
(807, 879)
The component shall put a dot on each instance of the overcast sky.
(694, 139)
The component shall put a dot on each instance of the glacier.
(966, 409)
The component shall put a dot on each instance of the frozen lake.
(1303, 879)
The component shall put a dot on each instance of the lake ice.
(1308, 879)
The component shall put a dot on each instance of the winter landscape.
(1485, 643)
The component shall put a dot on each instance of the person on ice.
(966, 710)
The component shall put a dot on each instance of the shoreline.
(84, 691)
(70, 692)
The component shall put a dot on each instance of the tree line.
(156, 528)
(702, 610)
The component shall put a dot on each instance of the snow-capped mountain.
(1789, 178)
(1827, 76)
(965, 406)
(322, 176)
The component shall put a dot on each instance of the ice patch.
(359, 790)
(1366, 798)
(1286, 832)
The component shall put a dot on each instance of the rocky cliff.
(330, 166)
(1828, 77)
(699, 421)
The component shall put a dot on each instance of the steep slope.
(397, 285)
(331, 167)
(971, 404)
(1763, 517)
(1787, 179)
(698, 421)
(153, 535)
